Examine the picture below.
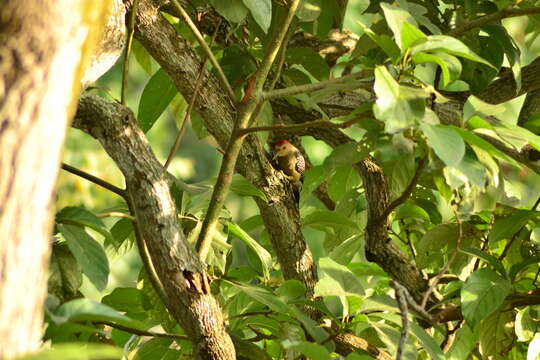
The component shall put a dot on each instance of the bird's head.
(282, 148)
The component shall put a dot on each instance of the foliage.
(471, 212)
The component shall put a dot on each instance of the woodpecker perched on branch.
(291, 162)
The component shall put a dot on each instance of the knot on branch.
(197, 283)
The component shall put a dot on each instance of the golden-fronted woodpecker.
(290, 160)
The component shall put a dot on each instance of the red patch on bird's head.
(281, 143)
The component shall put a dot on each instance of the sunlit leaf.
(261, 10)
(156, 96)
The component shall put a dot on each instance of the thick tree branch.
(178, 267)
(491, 18)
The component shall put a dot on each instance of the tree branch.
(142, 332)
(221, 76)
(104, 184)
(182, 274)
(491, 18)
(296, 127)
(246, 110)
(346, 81)
(127, 52)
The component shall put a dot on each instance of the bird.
(290, 160)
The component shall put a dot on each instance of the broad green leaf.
(482, 294)
(385, 42)
(409, 210)
(262, 295)
(446, 143)
(336, 280)
(248, 350)
(157, 349)
(519, 133)
(76, 215)
(237, 64)
(398, 106)
(261, 10)
(511, 50)
(232, 10)
(525, 324)
(322, 218)
(310, 60)
(403, 171)
(121, 231)
(312, 178)
(507, 227)
(490, 259)
(396, 17)
(65, 276)
(463, 344)
(474, 106)
(309, 10)
(88, 310)
(447, 44)
(309, 349)
(473, 139)
(89, 254)
(410, 34)
(156, 96)
(430, 245)
(344, 252)
(496, 335)
(344, 179)
(450, 65)
(515, 269)
(345, 155)
(141, 55)
(263, 255)
(242, 186)
(76, 351)
(125, 299)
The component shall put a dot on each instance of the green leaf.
(511, 50)
(309, 349)
(476, 140)
(336, 280)
(65, 276)
(121, 231)
(398, 106)
(345, 155)
(89, 254)
(409, 210)
(157, 349)
(232, 10)
(446, 143)
(310, 60)
(463, 344)
(125, 299)
(474, 106)
(242, 186)
(322, 218)
(262, 254)
(384, 41)
(309, 10)
(396, 17)
(508, 227)
(87, 310)
(410, 34)
(491, 260)
(344, 252)
(495, 337)
(447, 44)
(261, 10)
(156, 96)
(482, 294)
(141, 55)
(77, 351)
(450, 65)
(525, 324)
(515, 269)
(76, 215)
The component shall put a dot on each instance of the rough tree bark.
(43, 48)
(182, 274)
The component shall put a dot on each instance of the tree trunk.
(42, 48)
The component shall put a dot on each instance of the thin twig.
(435, 280)
(282, 57)
(130, 31)
(295, 127)
(142, 332)
(493, 17)
(187, 114)
(116, 214)
(104, 184)
(408, 190)
(221, 75)
(246, 112)
(251, 313)
(307, 88)
(401, 299)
